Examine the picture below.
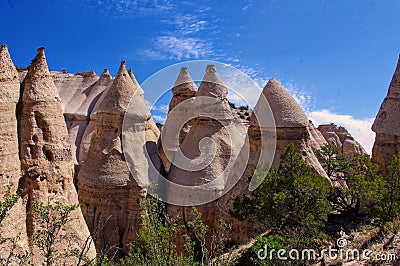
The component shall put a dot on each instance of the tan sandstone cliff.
(45, 154)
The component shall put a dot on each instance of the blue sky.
(336, 57)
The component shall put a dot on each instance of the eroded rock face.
(340, 137)
(108, 193)
(45, 153)
(387, 124)
(316, 137)
(10, 167)
(88, 110)
(184, 89)
(215, 139)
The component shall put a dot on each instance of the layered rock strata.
(45, 154)
(387, 124)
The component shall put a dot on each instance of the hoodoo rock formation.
(291, 124)
(387, 124)
(271, 128)
(54, 123)
(10, 167)
(45, 152)
(340, 137)
(184, 89)
(108, 193)
(152, 133)
(215, 139)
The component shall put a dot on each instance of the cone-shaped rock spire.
(120, 93)
(387, 124)
(45, 152)
(388, 119)
(38, 82)
(287, 112)
(82, 126)
(9, 94)
(10, 168)
(291, 124)
(108, 192)
(212, 85)
(8, 77)
(138, 89)
(207, 153)
(184, 89)
(96, 89)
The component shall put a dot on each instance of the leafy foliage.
(155, 245)
(51, 218)
(9, 254)
(387, 205)
(8, 202)
(291, 198)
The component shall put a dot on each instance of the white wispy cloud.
(187, 24)
(161, 108)
(159, 119)
(360, 129)
(178, 48)
(127, 8)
